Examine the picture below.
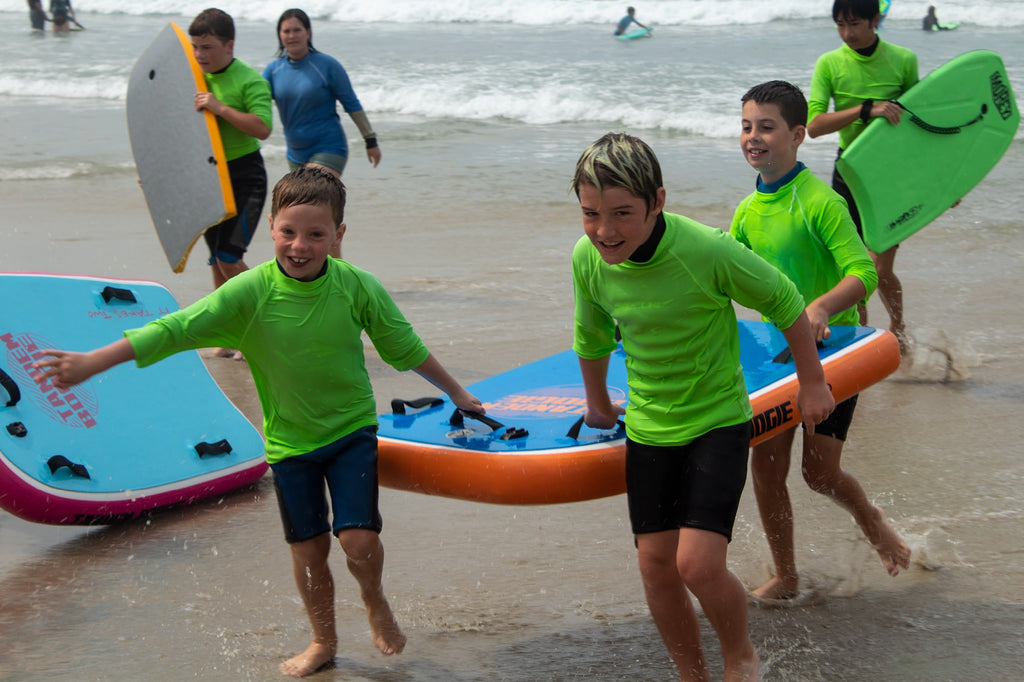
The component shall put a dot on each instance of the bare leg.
(702, 565)
(365, 555)
(671, 562)
(824, 475)
(890, 289)
(670, 604)
(316, 587)
(769, 465)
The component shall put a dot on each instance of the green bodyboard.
(958, 123)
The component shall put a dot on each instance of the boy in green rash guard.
(802, 227)
(240, 99)
(863, 76)
(669, 284)
(299, 320)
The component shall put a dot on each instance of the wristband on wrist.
(371, 141)
(865, 110)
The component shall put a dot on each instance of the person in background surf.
(36, 15)
(240, 99)
(625, 21)
(688, 420)
(319, 413)
(863, 77)
(800, 225)
(60, 12)
(931, 22)
(306, 84)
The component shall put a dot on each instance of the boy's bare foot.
(224, 352)
(901, 336)
(747, 670)
(777, 588)
(237, 356)
(387, 636)
(895, 553)
(315, 657)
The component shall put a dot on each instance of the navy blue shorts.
(347, 468)
(697, 485)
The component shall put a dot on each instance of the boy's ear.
(659, 202)
(340, 233)
(799, 134)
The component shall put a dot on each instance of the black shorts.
(697, 485)
(843, 190)
(838, 423)
(228, 240)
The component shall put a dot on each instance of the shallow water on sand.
(493, 592)
(469, 223)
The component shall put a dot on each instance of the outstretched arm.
(67, 369)
(601, 412)
(431, 370)
(814, 398)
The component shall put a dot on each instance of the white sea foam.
(995, 13)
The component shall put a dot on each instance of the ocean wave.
(989, 13)
(109, 88)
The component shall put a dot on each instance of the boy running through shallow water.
(299, 319)
(669, 284)
(802, 227)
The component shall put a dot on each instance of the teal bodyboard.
(638, 33)
(958, 122)
(125, 442)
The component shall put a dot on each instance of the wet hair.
(310, 185)
(854, 9)
(620, 160)
(213, 22)
(303, 19)
(790, 100)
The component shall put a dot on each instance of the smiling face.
(294, 37)
(768, 143)
(617, 221)
(212, 53)
(302, 235)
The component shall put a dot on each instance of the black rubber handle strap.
(111, 293)
(398, 405)
(574, 431)
(457, 419)
(785, 355)
(13, 392)
(942, 130)
(221, 447)
(58, 461)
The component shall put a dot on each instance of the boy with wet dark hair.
(299, 319)
(240, 99)
(802, 227)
